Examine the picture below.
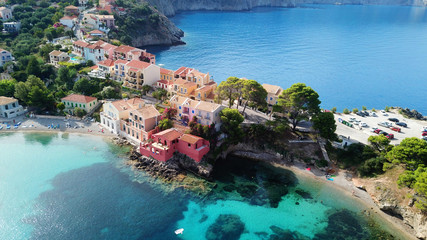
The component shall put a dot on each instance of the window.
(180, 108)
(192, 111)
(13, 105)
(84, 105)
(271, 98)
(189, 145)
(7, 107)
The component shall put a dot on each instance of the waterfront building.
(164, 144)
(73, 101)
(5, 56)
(5, 13)
(12, 27)
(140, 124)
(10, 108)
(104, 69)
(128, 53)
(273, 93)
(58, 56)
(136, 74)
(114, 111)
(166, 74)
(193, 75)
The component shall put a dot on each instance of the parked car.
(389, 136)
(373, 129)
(393, 120)
(384, 133)
(352, 119)
(424, 129)
(373, 114)
(360, 114)
(395, 129)
(424, 134)
(425, 138)
(362, 124)
(377, 131)
(383, 124)
(402, 124)
(366, 113)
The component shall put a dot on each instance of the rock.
(303, 194)
(226, 226)
(279, 234)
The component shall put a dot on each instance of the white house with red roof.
(104, 69)
(129, 53)
(79, 47)
(68, 21)
(73, 101)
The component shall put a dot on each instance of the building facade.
(58, 56)
(10, 108)
(5, 13)
(79, 101)
(5, 56)
(12, 27)
(273, 93)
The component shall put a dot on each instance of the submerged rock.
(281, 234)
(303, 194)
(226, 227)
(342, 225)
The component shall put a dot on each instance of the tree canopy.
(299, 102)
(324, 122)
(411, 151)
(380, 143)
(253, 93)
(231, 120)
(228, 90)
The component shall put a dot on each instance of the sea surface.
(70, 186)
(353, 56)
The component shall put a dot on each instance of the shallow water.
(69, 186)
(353, 56)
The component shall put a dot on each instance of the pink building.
(164, 144)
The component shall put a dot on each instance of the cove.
(352, 55)
(71, 186)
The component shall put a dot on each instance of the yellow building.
(78, 101)
(273, 93)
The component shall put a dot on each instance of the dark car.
(393, 120)
(402, 124)
(384, 133)
(360, 114)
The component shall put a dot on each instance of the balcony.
(160, 146)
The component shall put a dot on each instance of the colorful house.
(58, 56)
(129, 53)
(137, 74)
(73, 101)
(5, 13)
(140, 124)
(12, 27)
(193, 75)
(9, 107)
(273, 93)
(71, 10)
(164, 144)
(186, 89)
(114, 112)
(68, 21)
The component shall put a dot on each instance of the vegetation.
(79, 112)
(346, 111)
(355, 110)
(165, 124)
(160, 94)
(324, 122)
(299, 102)
(334, 110)
(231, 120)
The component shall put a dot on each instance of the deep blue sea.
(353, 56)
(69, 186)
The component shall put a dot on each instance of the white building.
(5, 13)
(68, 21)
(113, 112)
(10, 108)
(12, 27)
(5, 56)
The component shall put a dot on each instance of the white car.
(373, 129)
(373, 114)
(362, 124)
(352, 119)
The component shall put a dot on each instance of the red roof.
(165, 71)
(96, 32)
(124, 49)
(163, 82)
(190, 138)
(68, 17)
(71, 7)
(120, 61)
(78, 98)
(107, 63)
(182, 71)
(81, 43)
(93, 46)
(94, 67)
(169, 134)
(138, 64)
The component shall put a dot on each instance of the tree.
(346, 111)
(299, 102)
(110, 93)
(79, 112)
(253, 93)
(34, 92)
(66, 77)
(324, 122)
(170, 113)
(7, 87)
(83, 86)
(355, 110)
(231, 120)
(33, 67)
(45, 50)
(60, 106)
(227, 90)
(160, 94)
(380, 143)
(165, 124)
(21, 92)
(146, 89)
(411, 151)
(334, 110)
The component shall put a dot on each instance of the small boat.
(179, 231)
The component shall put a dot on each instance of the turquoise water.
(353, 56)
(65, 186)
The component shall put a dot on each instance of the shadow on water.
(255, 182)
(100, 202)
(42, 138)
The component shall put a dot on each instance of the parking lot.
(361, 134)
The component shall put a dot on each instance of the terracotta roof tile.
(169, 134)
(120, 61)
(124, 49)
(207, 106)
(79, 98)
(81, 43)
(6, 100)
(148, 111)
(107, 63)
(273, 89)
(191, 139)
(128, 104)
(138, 64)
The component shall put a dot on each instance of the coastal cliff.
(171, 7)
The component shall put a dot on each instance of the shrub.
(334, 110)
(387, 108)
(346, 111)
(374, 110)
(364, 108)
(355, 110)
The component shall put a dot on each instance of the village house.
(129, 53)
(71, 10)
(166, 74)
(205, 112)
(73, 101)
(104, 3)
(83, 3)
(193, 75)
(186, 89)
(105, 68)
(164, 144)
(5, 56)
(58, 56)
(164, 84)
(204, 93)
(106, 21)
(273, 93)
(68, 21)
(140, 124)
(12, 27)
(5, 13)
(79, 48)
(115, 111)
(96, 33)
(136, 74)
(10, 108)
